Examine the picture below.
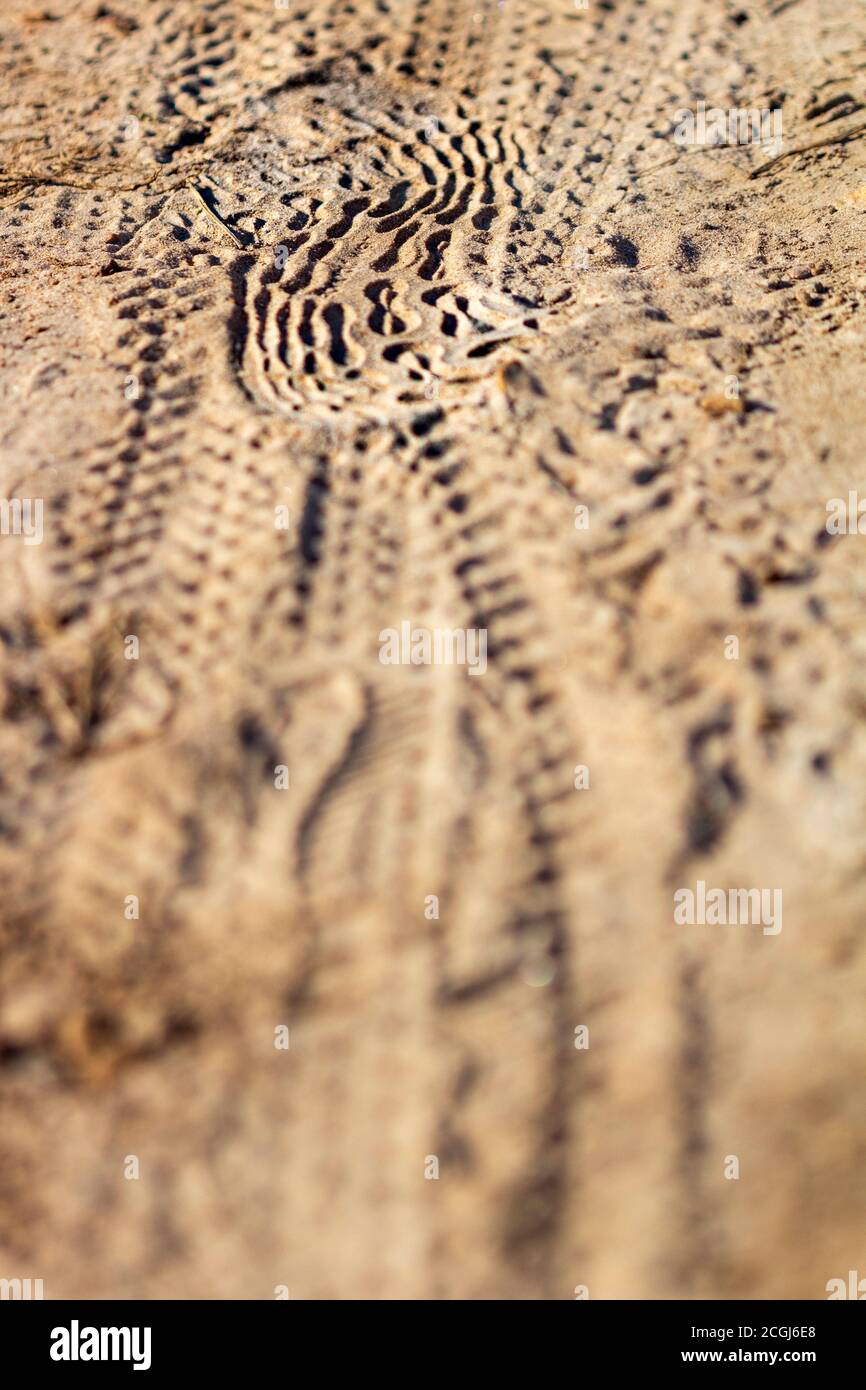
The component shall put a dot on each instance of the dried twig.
(215, 217)
(67, 178)
(22, 177)
(838, 139)
(662, 164)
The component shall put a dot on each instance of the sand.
(337, 978)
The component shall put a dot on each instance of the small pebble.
(723, 405)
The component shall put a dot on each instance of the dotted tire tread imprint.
(430, 275)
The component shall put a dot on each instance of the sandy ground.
(324, 318)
